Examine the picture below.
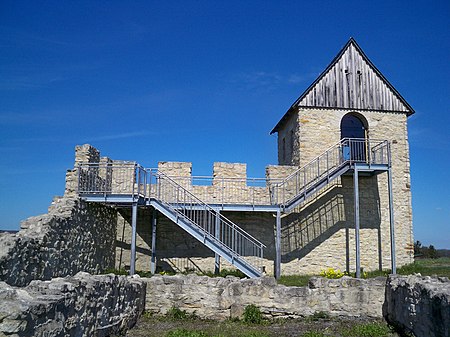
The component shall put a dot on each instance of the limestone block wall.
(82, 305)
(83, 154)
(222, 298)
(318, 129)
(74, 236)
(418, 305)
(228, 184)
(143, 239)
(178, 251)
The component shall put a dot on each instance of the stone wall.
(315, 236)
(228, 184)
(318, 129)
(83, 305)
(222, 298)
(74, 236)
(420, 305)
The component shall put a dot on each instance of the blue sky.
(204, 81)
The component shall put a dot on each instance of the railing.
(226, 191)
(131, 179)
(112, 178)
(347, 150)
(212, 224)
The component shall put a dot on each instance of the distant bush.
(252, 314)
(176, 313)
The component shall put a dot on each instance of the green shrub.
(176, 313)
(252, 314)
(319, 315)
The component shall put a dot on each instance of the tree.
(417, 248)
(432, 252)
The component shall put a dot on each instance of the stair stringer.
(302, 197)
(207, 239)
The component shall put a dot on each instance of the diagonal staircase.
(128, 182)
(206, 224)
(331, 164)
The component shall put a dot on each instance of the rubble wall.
(82, 305)
(222, 298)
(74, 236)
(418, 305)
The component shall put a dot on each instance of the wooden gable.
(351, 81)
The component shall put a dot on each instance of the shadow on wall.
(330, 211)
(123, 239)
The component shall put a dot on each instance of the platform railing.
(112, 178)
(346, 151)
(228, 191)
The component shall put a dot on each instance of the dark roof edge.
(323, 73)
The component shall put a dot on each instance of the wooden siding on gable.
(351, 83)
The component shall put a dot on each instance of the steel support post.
(217, 236)
(391, 220)
(133, 238)
(153, 257)
(277, 271)
(356, 187)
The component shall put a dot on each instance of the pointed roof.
(351, 81)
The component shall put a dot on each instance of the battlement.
(228, 183)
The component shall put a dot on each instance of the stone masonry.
(82, 305)
(418, 305)
(222, 298)
(74, 236)
(316, 130)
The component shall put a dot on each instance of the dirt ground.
(160, 326)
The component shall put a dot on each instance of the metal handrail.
(347, 150)
(130, 178)
(195, 204)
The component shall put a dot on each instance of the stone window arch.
(354, 125)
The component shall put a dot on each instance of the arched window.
(354, 127)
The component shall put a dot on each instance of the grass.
(430, 267)
(375, 329)
(426, 267)
(320, 326)
(295, 280)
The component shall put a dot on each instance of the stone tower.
(350, 99)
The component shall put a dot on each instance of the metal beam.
(277, 270)
(392, 225)
(133, 238)
(217, 236)
(153, 256)
(356, 188)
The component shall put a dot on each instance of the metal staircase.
(129, 183)
(331, 164)
(125, 183)
(206, 224)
